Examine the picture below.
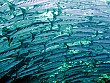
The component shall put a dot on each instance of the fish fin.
(33, 37)
(23, 12)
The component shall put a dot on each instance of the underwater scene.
(54, 41)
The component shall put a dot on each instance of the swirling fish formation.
(54, 41)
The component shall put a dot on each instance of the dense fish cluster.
(54, 41)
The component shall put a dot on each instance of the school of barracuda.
(54, 41)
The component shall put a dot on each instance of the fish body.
(32, 3)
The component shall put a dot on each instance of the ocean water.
(54, 41)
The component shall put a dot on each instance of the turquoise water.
(54, 41)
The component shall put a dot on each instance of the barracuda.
(54, 41)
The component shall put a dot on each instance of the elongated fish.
(32, 3)
(54, 41)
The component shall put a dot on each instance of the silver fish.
(82, 34)
(103, 65)
(32, 3)
(83, 30)
(9, 66)
(7, 54)
(52, 65)
(107, 41)
(33, 54)
(47, 33)
(58, 39)
(27, 70)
